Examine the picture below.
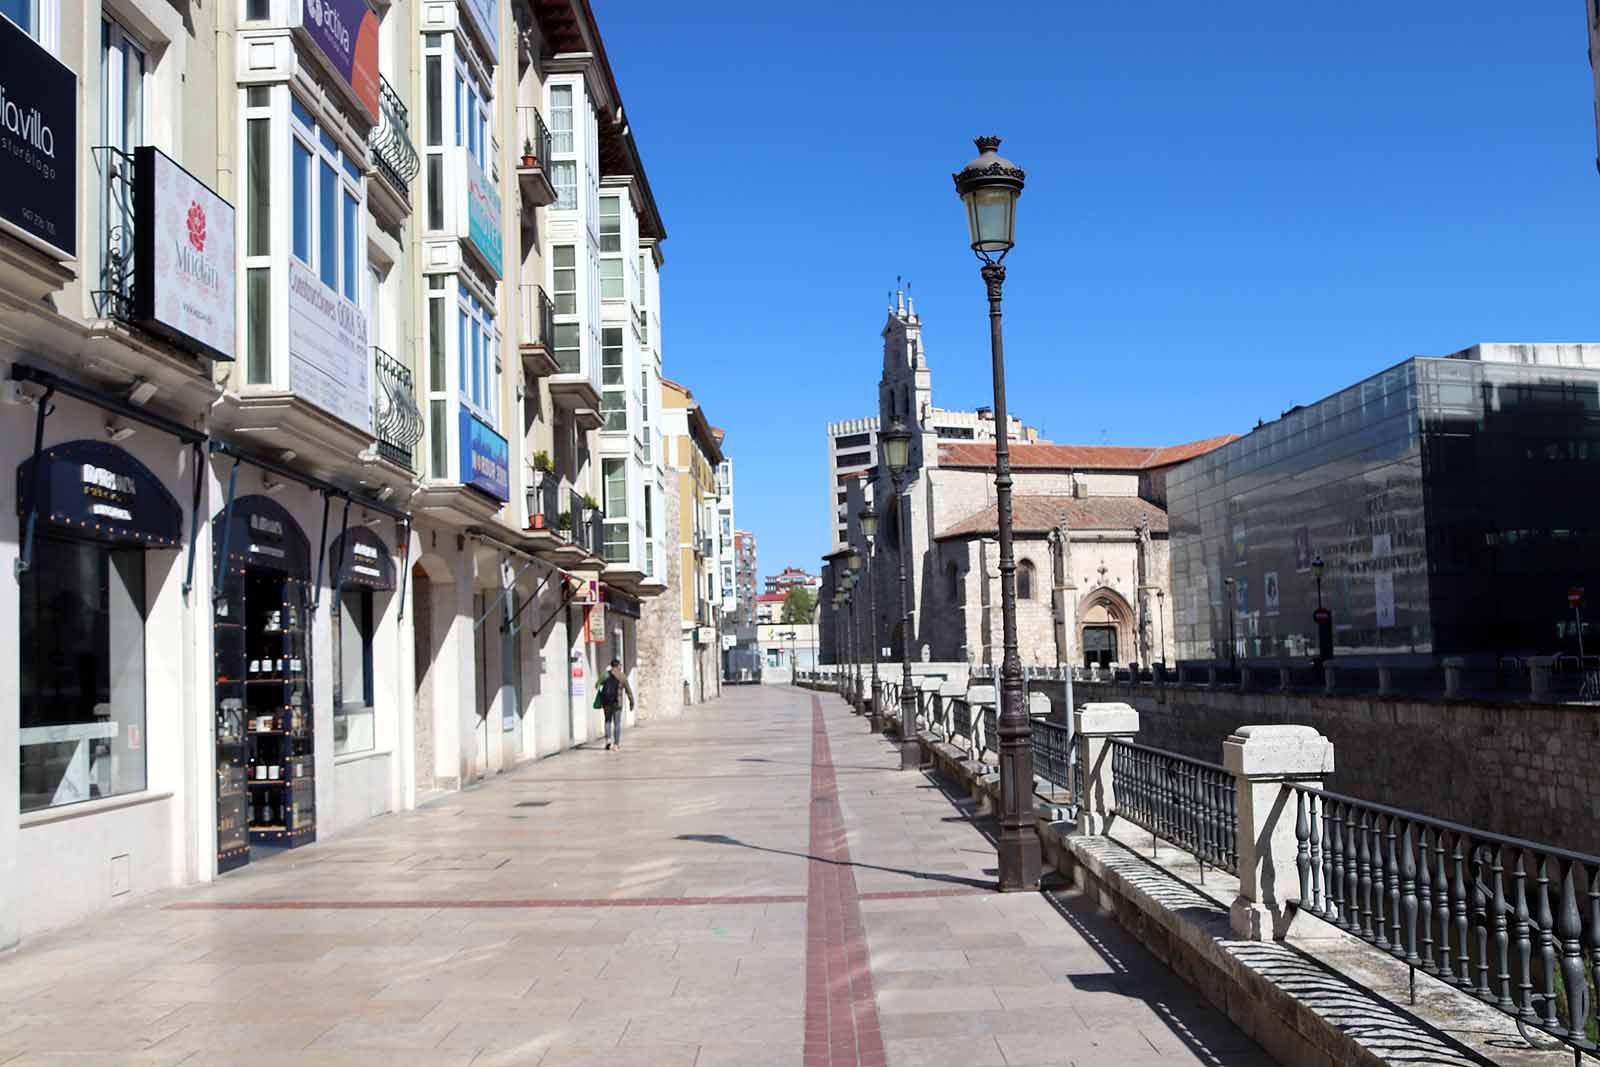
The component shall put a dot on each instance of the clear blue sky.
(1231, 208)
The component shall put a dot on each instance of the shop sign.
(361, 558)
(481, 14)
(183, 281)
(98, 490)
(38, 142)
(483, 214)
(262, 534)
(346, 33)
(328, 354)
(485, 457)
(621, 603)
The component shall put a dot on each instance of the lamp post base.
(910, 754)
(875, 721)
(1020, 862)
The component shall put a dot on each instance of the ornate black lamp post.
(989, 187)
(840, 674)
(1323, 618)
(868, 520)
(1232, 607)
(852, 631)
(897, 457)
(1161, 625)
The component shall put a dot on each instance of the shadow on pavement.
(928, 876)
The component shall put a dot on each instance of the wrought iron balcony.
(533, 161)
(538, 329)
(113, 297)
(544, 502)
(390, 141)
(395, 412)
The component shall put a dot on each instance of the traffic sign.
(1575, 596)
(1321, 616)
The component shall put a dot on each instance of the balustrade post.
(1264, 759)
(1097, 725)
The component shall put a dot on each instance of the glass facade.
(1441, 496)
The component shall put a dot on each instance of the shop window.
(352, 698)
(82, 712)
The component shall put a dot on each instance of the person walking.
(611, 691)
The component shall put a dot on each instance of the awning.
(620, 602)
(361, 558)
(98, 490)
(262, 534)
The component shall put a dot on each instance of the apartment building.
(265, 266)
(694, 449)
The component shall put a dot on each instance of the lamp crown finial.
(987, 143)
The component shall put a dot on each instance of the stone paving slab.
(656, 906)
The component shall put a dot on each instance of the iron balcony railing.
(544, 502)
(394, 407)
(535, 139)
(393, 154)
(113, 298)
(538, 317)
(1514, 923)
(1186, 801)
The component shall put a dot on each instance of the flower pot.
(528, 162)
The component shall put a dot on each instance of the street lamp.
(838, 636)
(1161, 624)
(868, 520)
(896, 442)
(1233, 642)
(1323, 618)
(989, 187)
(851, 630)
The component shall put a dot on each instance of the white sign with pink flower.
(186, 234)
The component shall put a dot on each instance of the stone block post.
(1263, 760)
(1096, 725)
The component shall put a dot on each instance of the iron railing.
(1055, 758)
(990, 741)
(535, 138)
(1188, 802)
(395, 411)
(393, 154)
(538, 318)
(927, 700)
(544, 501)
(960, 721)
(1514, 923)
(113, 298)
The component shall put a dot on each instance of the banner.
(329, 362)
(38, 142)
(483, 214)
(183, 280)
(346, 33)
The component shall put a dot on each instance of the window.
(616, 548)
(81, 663)
(644, 409)
(649, 534)
(472, 115)
(479, 384)
(327, 218)
(614, 393)
(564, 176)
(258, 235)
(611, 224)
(564, 280)
(24, 13)
(611, 279)
(432, 46)
(561, 118)
(1025, 579)
(352, 673)
(123, 69)
(438, 390)
(569, 354)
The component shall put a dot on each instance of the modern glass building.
(1451, 500)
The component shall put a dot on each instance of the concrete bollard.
(1096, 724)
(1263, 760)
(1452, 676)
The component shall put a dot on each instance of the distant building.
(740, 651)
(853, 443)
(1450, 501)
(790, 577)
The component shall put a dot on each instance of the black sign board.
(361, 558)
(621, 603)
(97, 490)
(262, 534)
(38, 142)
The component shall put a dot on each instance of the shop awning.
(361, 558)
(98, 490)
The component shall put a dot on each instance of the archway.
(1105, 628)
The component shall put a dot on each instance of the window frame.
(613, 379)
(348, 190)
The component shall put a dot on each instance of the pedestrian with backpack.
(610, 699)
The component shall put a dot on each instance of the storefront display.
(266, 785)
(364, 572)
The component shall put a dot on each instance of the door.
(1099, 645)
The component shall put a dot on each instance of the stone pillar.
(1263, 759)
(1096, 725)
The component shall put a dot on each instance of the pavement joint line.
(504, 903)
(841, 1014)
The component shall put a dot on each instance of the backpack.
(610, 696)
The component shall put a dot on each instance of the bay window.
(614, 389)
(475, 356)
(330, 204)
(561, 118)
(433, 142)
(610, 224)
(564, 282)
(564, 176)
(611, 287)
(615, 472)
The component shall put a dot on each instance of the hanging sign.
(483, 214)
(346, 33)
(361, 558)
(98, 490)
(183, 279)
(38, 143)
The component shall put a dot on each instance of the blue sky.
(1231, 208)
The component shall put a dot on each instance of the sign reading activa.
(485, 458)
(328, 355)
(346, 33)
(38, 143)
(183, 255)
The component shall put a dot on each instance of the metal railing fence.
(1188, 802)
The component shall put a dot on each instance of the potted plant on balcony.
(528, 161)
(564, 520)
(542, 469)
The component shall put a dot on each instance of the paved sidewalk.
(751, 884)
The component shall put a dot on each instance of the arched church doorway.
(1099, 646)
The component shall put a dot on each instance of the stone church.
(1089, 528)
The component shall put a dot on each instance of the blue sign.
(485, 457)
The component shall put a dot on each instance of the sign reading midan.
(184, 281)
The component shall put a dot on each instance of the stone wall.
(1520, 769)
(659, 679)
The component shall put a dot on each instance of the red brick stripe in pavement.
(841, 1013)
(539, 902)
